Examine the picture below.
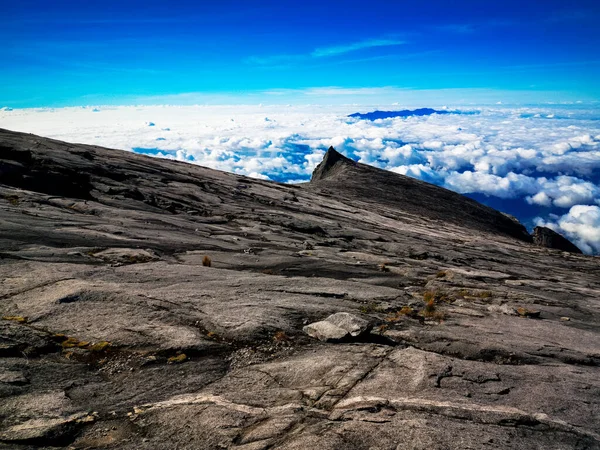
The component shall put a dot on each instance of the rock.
(525, 312)
(338, 327)
(126, 255)
(503, 309)
(354, 325)
(325, 331)
(545, 237)
(44, 430)
(306, 245)
(333, 163)
(13, 377)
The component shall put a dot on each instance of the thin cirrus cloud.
(323, 52)
(361, 45)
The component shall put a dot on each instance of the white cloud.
(355, 46)
(581, 224)
(321, 52)
(564, 192)
(511, 185)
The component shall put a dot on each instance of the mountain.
(374, 115)
(149, 303)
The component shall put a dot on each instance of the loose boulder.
(338, 327)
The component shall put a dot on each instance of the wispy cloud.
(355, 46)
(287, 60)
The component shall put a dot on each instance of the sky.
(70, 53)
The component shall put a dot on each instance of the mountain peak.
(333, 163)
(546, 237)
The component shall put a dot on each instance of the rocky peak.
(333, 163)
(545, 237)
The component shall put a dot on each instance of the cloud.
(545, 159)
(286, 60)
(564, 191)
(355, 46)
(511, 185)
(581, 224)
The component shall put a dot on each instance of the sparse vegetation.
(369, 308)
(14, 200)
(383, 267)
(100, 346)
(381, 329)
(74, 343)
(405, 311)
(430, 311)
(206, 261)
(19, 319)
(280, 336)
(138, 259)
(178, 359)
(525, 312)
(437, 297)
(429, 308)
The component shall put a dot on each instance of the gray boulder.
(338, 327)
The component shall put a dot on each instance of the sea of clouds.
(541, 164)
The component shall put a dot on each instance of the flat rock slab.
(44, 430)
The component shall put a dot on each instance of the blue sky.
(63, 53)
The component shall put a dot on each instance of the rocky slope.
(154, 304)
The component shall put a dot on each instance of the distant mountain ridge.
(374, 115)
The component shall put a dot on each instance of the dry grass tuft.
(74, 343)
(405, 311)
(436, 297)
(381, 329)
(14, 200)
(280, 336)
(429, 309)
(383, 268)
(18, 319)
(369, 308)
(181, 358)
(100, 346)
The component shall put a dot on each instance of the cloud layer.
(541, 164)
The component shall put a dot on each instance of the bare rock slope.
(150, 304)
